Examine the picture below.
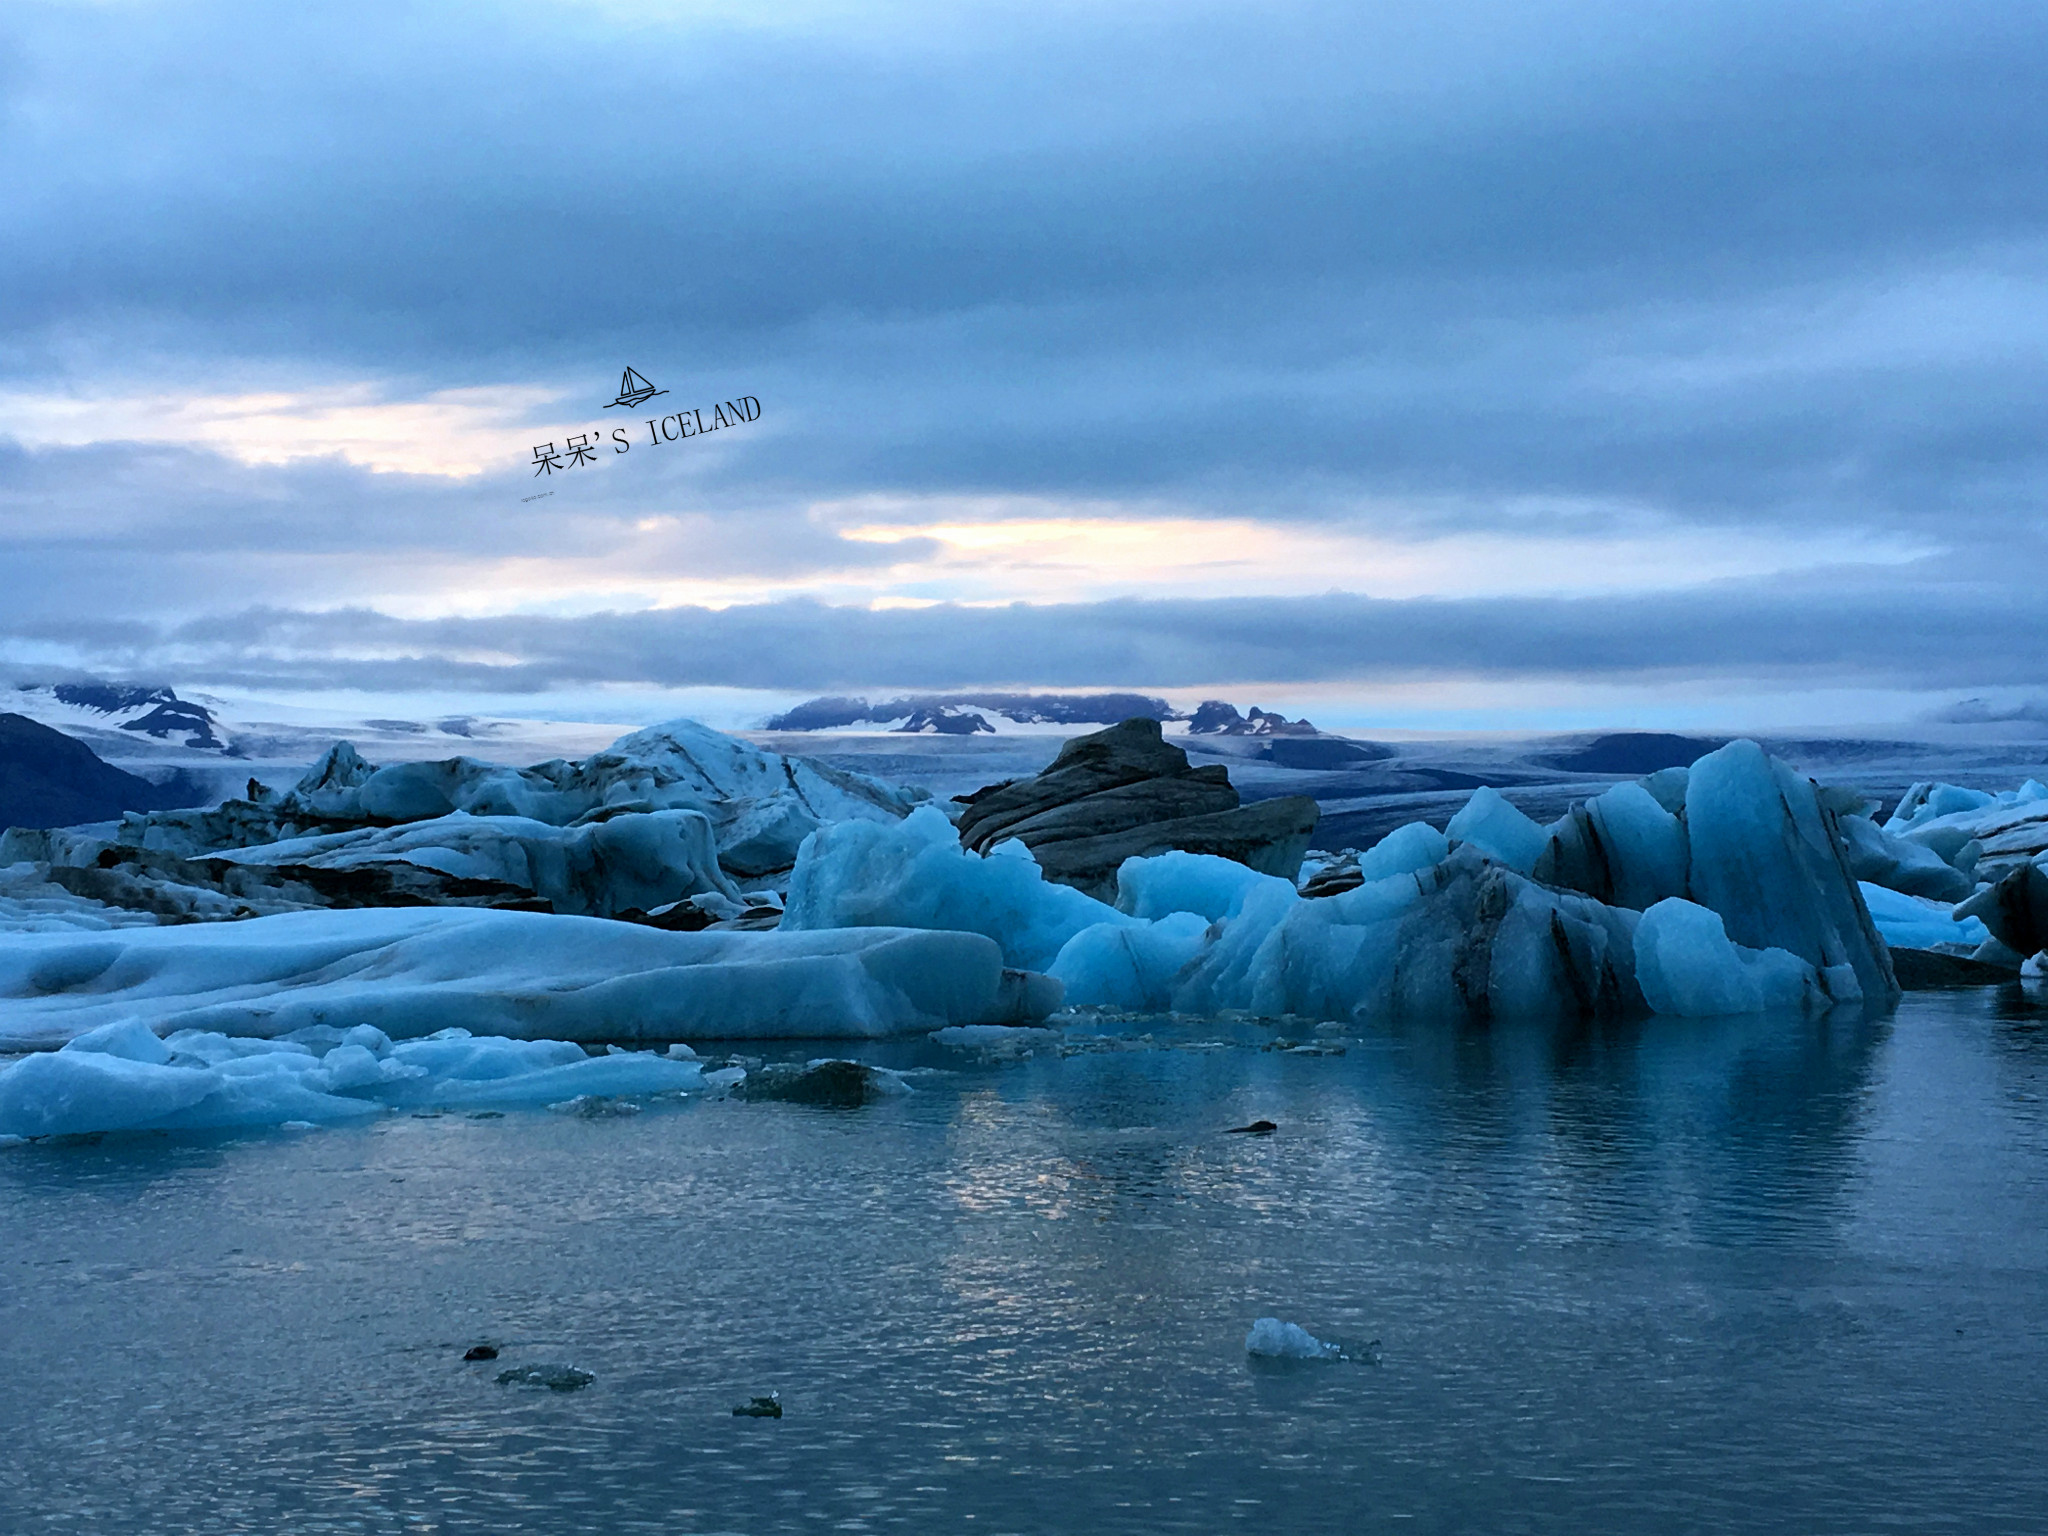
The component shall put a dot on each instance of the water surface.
(1736, 1275)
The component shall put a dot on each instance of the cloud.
(1897, 637)
(1469, 300)
(2029, 711)
(458, 432)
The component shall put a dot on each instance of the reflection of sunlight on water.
(1005, 1171)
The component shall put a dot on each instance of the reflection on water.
(1741, 1275)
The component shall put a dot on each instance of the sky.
(1461, 363)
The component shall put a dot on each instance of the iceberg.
(1496, 828)
(760, 804)
(1731, 885)
(1203, 884)
(1746, 864)
(1622, 847)
(1998, 842)
(915, 874)
(1985, 836)
(597, 869)
(1463, 939)
(412, 971)
(1768, 856)
(1884, 858)
(1130, 967)
(30, 902)
(1686, 965)
(1917, 922)
(1927, 802)
(1417, 845)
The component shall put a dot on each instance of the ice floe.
(1984, 835)
(411, 971)
(123, 1077)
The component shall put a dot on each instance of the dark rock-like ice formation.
(1128, 793)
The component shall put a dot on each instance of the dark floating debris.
(1256, 1128)
(481, 1352)
(769, 1407)
(843, 1084)
(556, 1378)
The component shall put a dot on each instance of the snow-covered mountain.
(153, 712)
(962, 714)
(152, 731)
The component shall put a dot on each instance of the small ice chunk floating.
(1272, 1339)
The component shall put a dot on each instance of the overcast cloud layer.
(1630, 343)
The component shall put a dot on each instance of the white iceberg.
(1881, 858)
(1985, 836)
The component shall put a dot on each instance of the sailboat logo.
(635, 391)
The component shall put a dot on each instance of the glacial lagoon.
(1759, 1274)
